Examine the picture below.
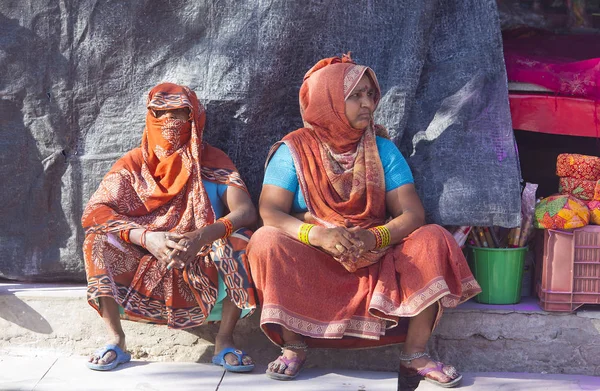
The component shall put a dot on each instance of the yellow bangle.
(382, 235)
(303, 233)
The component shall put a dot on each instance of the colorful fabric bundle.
(597, 191)
(561, 212)
(578, 166)
(579, 188)
(594, 207)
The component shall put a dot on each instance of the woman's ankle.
(118, 339)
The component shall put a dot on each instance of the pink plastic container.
(570, 270)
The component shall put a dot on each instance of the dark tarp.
(75, 74)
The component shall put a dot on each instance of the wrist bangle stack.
(303, 233)
(124, 235)
(382, 236)
(228, 227)
(143, 238)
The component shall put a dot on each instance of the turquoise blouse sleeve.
(281, 171)
(396, 169)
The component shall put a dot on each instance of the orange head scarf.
(169, 146)
(339, 169)
(323, 96)
(159, 185)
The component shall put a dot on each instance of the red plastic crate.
(570, 270)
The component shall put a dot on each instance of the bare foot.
(226, 341)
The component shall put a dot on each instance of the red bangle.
(143, 238)
(378, 238)
(124, 235)
(228, 227)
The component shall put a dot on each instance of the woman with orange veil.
(165, 234)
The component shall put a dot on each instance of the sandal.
(290, 363)
(219, 359)
(121, 358)
(447, 370)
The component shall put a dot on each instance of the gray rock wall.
(74, 77)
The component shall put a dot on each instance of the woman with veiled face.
(344, 259)
(165, 238)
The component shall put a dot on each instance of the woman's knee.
(263, 240)
(429, 229)
(431, 233)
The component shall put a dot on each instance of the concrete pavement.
(65, 373)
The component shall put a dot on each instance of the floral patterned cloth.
(579, 188)
(566, 64)
(561, 212)
(578, 166)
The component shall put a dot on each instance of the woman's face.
(182, 113)
(361, 104)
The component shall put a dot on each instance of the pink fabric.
(566, 64)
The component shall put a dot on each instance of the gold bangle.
(303, 233)
(387, 236)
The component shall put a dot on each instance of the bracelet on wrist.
(303, 233)
(228, 227)
(382, 236)
(124, 235)
(143, 238)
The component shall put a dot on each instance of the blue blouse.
(281, 171)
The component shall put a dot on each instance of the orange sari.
(341, 177)
(159, 186)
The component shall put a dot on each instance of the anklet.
(295, 346)
(410, 357)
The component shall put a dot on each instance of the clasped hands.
(174, 250)
(344, 244)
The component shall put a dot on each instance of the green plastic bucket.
(499, 272)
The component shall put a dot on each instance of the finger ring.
(339, 247)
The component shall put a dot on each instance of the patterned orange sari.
(159, 186)
(342, 180)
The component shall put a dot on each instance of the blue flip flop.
(219, 359)
(122, 358)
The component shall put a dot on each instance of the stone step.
(56, 319)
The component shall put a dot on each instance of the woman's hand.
(366, 237)
(164, 246)
(338, 241)
(192, 242)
